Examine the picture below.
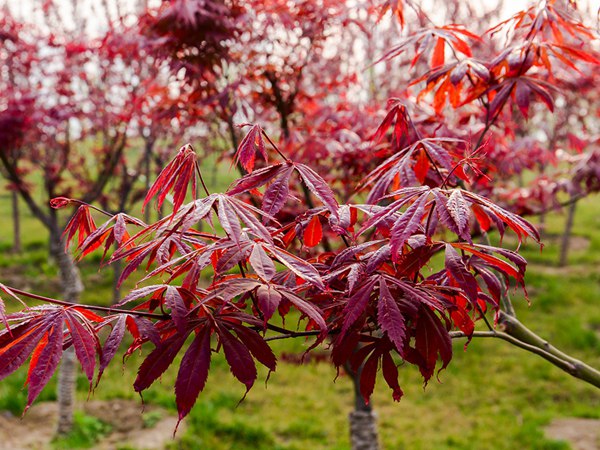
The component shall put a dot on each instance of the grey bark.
(363, 420)
(72, 287)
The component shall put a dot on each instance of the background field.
(492, 396)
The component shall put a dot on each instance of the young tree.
(375, 294)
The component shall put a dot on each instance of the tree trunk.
(72, 287)
(363, 420)
(16, 220)
(566, 237)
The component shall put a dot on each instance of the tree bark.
(72, 287)
(363, 420)
(16, 220)
(566, 237)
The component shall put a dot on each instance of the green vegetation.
(87, 430)
(492, 396)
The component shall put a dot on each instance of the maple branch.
(285, 333)
(90, 307)
(286, 159)
(520, 336)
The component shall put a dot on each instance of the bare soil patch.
(129, 426)
(581, 434)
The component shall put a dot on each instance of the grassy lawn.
(492, 396)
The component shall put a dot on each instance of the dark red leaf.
(357, 304)
(367, 376)
(238, 357)
(268, 301)
(432, 339)
(390, 375)
(85, 344)
(193, 372)
(312, 312)
(179, 310)
(45, 359)
(408, 223)
(390, 318)
(112, 343)
(158, 361)
(277, 192)
(257, 346)
(297, 265)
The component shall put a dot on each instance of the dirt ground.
(581, 434)
(36, 429)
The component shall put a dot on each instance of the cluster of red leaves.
(370, 296)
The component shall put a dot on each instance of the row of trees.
(342, 202)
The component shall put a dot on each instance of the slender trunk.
(363, 420)
(16, 219)
(566, 237)
(72, 287)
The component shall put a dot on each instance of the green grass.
(492, 396)
(87, 431)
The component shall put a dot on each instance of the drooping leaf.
(390, 318)
(193, 372)
(112, 343)
(390, 375)
(45, 359)
(158, 361)
(257, 346)
(238, 357)
(85, 344)
(432, 340)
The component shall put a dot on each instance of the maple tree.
(381, 265)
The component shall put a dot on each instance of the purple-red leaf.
(257, 346)
(268, 301)
(45, 359)
(390, 318)
(408, 223)
(238, 357)
(458, 272)
(297, 265)
(319, 187)
(85, 344)
(193, 372)
(158, 361)
(112, 343)
(390, 375)
(250, 145)
(277, 193)
(262, 264)
(432, 339)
